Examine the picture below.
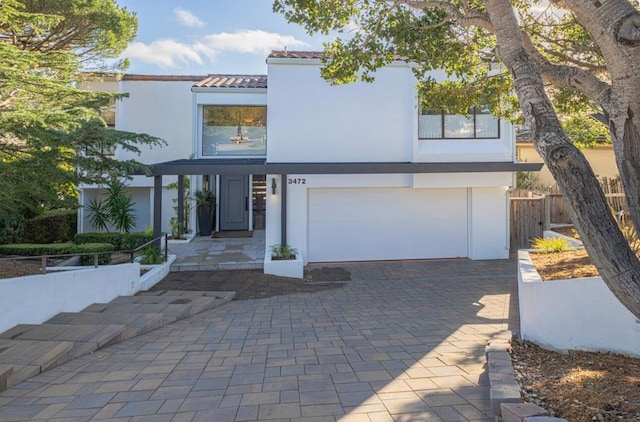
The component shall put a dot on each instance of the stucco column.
(157, 208)
(283, 209)
(181, 200)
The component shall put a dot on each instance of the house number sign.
(297, 181)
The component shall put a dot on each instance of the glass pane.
(486, 125)
(429, 126)
(234, 131)
(458, 126)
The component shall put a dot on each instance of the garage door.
(386, 223)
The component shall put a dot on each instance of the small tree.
(116, 210)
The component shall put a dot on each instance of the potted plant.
(205, 204)
(281, 252)
(284, 261)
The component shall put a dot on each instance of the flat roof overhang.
(260, 166)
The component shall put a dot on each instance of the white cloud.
(251, 41)
(168, 53)
(187, 18)
(165, 53)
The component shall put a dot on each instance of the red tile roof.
(178, 78)
(284, 54)
(233, 81)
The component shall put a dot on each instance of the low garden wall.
(36, 298)
(580, 313)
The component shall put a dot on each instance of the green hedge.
(135, 240)
(34, 249)
(51, 227)
(120, 241)
(11, 227)
(114, 238)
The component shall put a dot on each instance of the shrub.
(116, 239)
(103, 258)
(117, 210)
(152, 256)
(120, 241)
(132, 241)
(283, 252)
(35, 249)
(11, 228)
(551, 244)
(52, 226)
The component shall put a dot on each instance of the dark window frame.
(443, 129)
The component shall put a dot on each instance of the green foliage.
(551, 244)
(585, 131)
(116, 210)
(152, 256)
(98, 214)
(35, 249)
(187, 207)
(527, 180)
(11, 227)
(120, 241)
(52, 135)
(131, 241)
(115, 239)
(205, 199)
(631, 236)
(51, 227)
(452, 36)
(283, 252)
(177, 228)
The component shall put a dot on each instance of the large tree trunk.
(610, 252)
(614, 26)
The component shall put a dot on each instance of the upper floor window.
(108, 113)
(234, 130)
(480, 123)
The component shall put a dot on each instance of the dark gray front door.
(234, 203)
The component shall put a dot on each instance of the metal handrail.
(43, 258)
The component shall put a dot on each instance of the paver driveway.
(401, 342)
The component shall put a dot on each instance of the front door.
(234, 203)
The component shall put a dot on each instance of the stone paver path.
(400, 342)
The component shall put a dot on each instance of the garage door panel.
(387, 223)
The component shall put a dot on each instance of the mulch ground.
(579, 386)
(254, 284)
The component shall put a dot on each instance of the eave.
(260, 166)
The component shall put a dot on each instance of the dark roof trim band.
(212, 166)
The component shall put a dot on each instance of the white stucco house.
(342, 173)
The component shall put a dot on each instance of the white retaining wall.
(36, 298)
(578, 314)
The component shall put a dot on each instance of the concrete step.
(28, 349)
(86, 338)
(143, 324)
(28, 358)
(6, 373)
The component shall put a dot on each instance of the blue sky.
(209, 36)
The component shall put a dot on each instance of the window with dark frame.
(479, 124)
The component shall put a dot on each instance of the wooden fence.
(527, 220)
(534, 212)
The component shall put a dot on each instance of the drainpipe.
(157, 208)
(283, 210)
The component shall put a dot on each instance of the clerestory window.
(436, 124)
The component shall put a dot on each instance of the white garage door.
(386, 223)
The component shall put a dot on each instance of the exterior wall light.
(273, 185)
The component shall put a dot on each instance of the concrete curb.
(504, 390)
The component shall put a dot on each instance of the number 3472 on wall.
(291, 181)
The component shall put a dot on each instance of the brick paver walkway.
(400, 342)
